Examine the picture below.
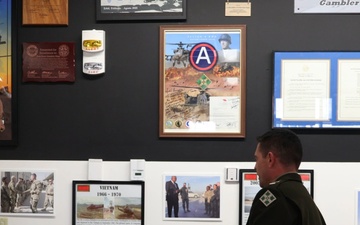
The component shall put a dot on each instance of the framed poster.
(28, 193)
(202, 81)
(8, 94)
(192, 197)
(141, 10)
(108, 202)
(249, 187)
(316, 90)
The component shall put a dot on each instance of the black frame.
(12, 118)
(113, 194)
(253, 171)
(141, 16)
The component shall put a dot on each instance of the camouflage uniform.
(35, 190)
(5, 199)
(284, 202)
(12, 192)
(20, 187)
(49, 199)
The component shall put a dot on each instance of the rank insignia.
(267, 198)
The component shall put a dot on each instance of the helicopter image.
(181, 54)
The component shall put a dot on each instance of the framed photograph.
(8, 92)
(110, 202)
(28, 193)
(250, 186)
(202, 81)
(194, 197)
(141, 10)
(316, 90)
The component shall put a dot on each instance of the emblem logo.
(267, 198)
(203, 56)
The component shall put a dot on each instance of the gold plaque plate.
(45, 12)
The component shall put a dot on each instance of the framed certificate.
(108, 202)
(202, 81)
(316, 90)
(140, 10)
(249, 187)
(8, 71)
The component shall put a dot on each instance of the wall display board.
(28, 193)
(8, 114)
(249, 187)
(109, 202)
(140, 10)
(202, 81)
(316, 90)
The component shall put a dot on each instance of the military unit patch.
(267, 198)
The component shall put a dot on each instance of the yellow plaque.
(45, 12)
(238, 9)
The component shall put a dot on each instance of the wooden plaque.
(45, 12)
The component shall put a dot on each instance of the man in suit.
(172, 196)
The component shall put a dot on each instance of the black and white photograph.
(192, 197)
(27, 193)
(141, 9)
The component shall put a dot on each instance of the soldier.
(12, 193)
(20, 187)
(35, 190)
(283, 198)
(49, 198)
(184, 193)
(5, 195)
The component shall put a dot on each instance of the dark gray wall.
(115, 117)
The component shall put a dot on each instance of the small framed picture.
(140, 10)
(195, 197)
(250, 186)
(28, 193)
(108, 202)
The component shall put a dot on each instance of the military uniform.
(12, 195)
(49, 199)
(20, 187)
(35, 190)
(5, 199)
(285, 202)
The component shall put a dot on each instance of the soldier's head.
(5, 180)
(33, 177)
(225, 41)
(13, 178)
(278, 152)
(50, 181)
(21, 179)
(184, 185)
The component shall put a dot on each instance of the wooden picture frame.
(8, 70)
(202, 81)
(115, 202)
(140, 10)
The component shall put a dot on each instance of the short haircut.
(3, 179)
(284, 143)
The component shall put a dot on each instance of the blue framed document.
(316, 90)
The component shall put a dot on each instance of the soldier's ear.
(271, 159)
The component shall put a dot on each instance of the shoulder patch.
(267, 198)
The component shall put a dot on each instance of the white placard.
(326, 6)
